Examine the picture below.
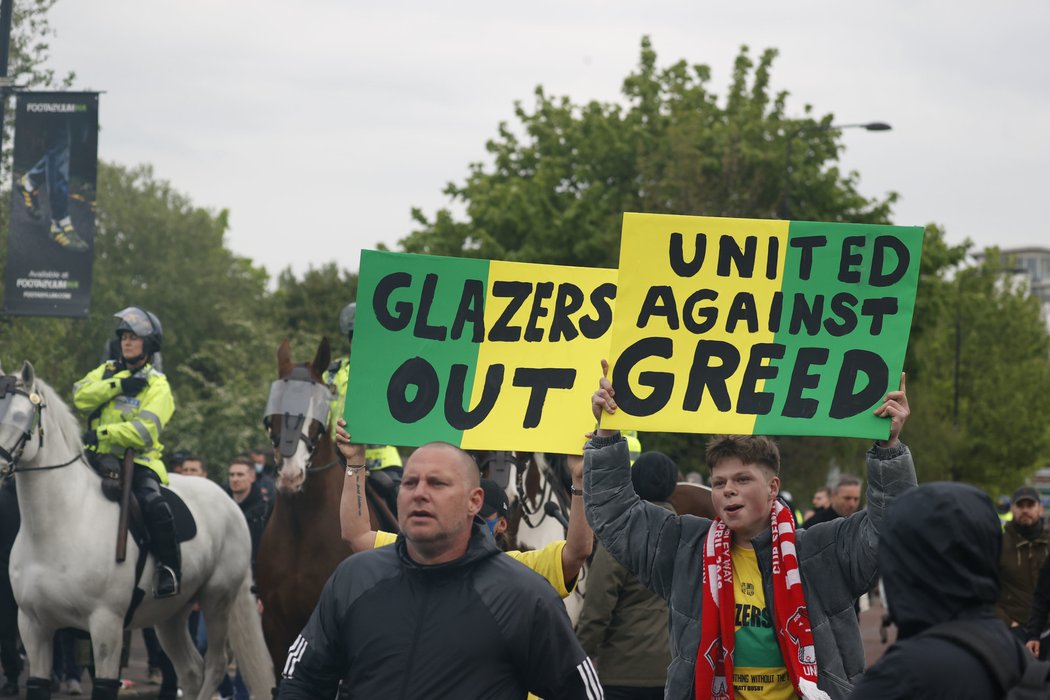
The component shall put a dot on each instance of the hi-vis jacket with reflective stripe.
(127, 421)
(337, 377)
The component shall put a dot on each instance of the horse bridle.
(12, 456)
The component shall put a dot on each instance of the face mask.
(258, 467)
(492, 526)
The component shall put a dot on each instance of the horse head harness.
(8, 386)
(292, 428)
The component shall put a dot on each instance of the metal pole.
(955, 471)
(6, 12)
(958, 355)
(785, 207)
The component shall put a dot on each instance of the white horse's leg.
(37, 640)
(107, 640)
(174, 636)
(216, 612)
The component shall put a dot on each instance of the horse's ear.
(28, 375)
(323, 358)
(284, 358)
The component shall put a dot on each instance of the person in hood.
(938, 556)
(441, 613)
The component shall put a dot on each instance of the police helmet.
(142, 323)
(346, 319)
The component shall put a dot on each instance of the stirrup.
(165, 582)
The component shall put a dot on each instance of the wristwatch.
(575, 491)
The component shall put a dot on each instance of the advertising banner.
(51, 237)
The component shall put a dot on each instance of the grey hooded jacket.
(838, 560)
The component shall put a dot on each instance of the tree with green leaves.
(981, 355)
(559, 182)
(561, 178)
(154, 249)
(307, 308)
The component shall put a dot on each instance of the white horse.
(538, 528)
(63, 568)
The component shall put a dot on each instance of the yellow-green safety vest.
(634, 445)
(377, 456)
(127, 421)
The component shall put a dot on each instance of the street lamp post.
(955, 472)
(785, 205)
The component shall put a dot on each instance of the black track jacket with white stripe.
(483, 626)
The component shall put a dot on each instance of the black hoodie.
(482, 626)
(938, 558)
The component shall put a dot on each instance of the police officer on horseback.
(130, 403)
(383, 461)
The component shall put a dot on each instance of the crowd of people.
(758, 602)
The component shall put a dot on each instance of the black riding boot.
(165, 549)
(38, 689)
(105, 689)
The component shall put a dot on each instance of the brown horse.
(693, 499)
(301, 546)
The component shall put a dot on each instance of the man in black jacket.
(845, 501)
(938, 557)
(244, 489)
(441, 613)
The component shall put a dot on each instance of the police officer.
(378, 458)
(130, 402)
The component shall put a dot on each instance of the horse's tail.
(249, 647)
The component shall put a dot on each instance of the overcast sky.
(320, 124)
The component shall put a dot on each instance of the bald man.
(441, 613)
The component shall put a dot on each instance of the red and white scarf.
(714, 658)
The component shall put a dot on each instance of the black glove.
(89, 438)
(131, 386)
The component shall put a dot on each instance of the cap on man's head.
(495, 500)
(1025, 493)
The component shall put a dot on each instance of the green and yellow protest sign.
(484, 355)
(760, 326)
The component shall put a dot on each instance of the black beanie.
(654, 476)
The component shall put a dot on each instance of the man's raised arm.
(891, 472)
(641, 536)
(354, 523)
(579, 539)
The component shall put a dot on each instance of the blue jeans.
(53, 169)
(64, 658)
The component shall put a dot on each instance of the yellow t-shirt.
(758, 666)
(546, 562)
